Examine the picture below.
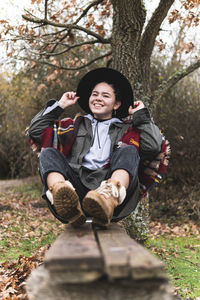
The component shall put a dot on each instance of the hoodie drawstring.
(96, 131)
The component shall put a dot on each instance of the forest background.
(33, 70)
(40, 60)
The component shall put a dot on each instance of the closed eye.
(106, 95)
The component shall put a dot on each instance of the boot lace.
(108, 189)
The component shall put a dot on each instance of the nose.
(99, 97)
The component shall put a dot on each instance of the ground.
(6, 185)
(28, 229)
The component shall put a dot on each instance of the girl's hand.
(68, 99)
(137, 106)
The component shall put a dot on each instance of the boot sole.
(78, 221)
(95, 210)
(66, 202)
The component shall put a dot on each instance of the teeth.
(98, 105)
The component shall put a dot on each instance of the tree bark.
(128, 21)
(131, 50)
(148, 38)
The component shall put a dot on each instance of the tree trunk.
(128, 21)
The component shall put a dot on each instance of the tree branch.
(67, 68)
(66, 50)
(54, 33)
(28, 12)
(67, 26)
(60, 40)
(69, 30)
(87, 9)
(153, 28)
(45, 9)
(166, 85)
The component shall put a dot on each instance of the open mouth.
(97, 105)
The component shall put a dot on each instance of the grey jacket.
(150, 143)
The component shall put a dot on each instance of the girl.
(89, 165)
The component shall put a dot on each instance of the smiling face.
(102, 101)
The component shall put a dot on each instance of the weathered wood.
(75, 254)
(41, 286)
(123, 257)
(115, 254)
(89, 263)
(144, 265)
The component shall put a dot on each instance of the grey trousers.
(127, 158)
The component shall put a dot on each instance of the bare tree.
(59, 28)
(127, 44)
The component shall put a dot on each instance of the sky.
(12, 9)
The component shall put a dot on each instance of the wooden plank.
(75, 250)
(123, 257)
(144, 265)
(114, 253)
(41, 286)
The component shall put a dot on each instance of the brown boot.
(100, 203)
(66, 203)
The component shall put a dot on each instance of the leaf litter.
(27, 229)
(25, 218)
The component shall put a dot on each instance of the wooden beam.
(76, 253)
(123, 257)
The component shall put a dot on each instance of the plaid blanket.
(150, 173)
(62, 134)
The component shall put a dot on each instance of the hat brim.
(110, 76)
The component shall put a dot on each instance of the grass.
(32, 190)
(11, 250)
(181, 256)
(26, 223)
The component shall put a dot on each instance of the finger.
(76, 98)
(67, 95)
(136, 103)
(130, 109)
(71, 95)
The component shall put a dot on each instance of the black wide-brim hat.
(110, 76)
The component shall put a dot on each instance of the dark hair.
(116, 90)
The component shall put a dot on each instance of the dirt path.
(10, 183)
